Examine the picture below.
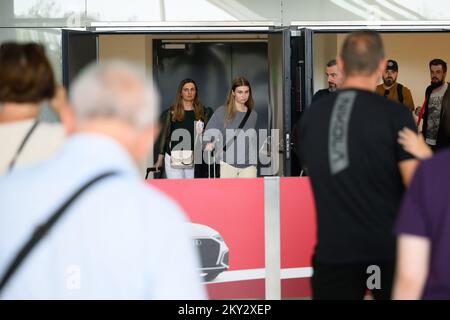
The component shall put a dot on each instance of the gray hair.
(114, 89)
(361, 52)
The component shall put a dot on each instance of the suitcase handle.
(150, 169)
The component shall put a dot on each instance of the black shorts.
(351, 281)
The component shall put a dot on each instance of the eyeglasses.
(386, 93)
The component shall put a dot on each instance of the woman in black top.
(181, 125)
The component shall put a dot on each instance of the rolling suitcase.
(213, 168)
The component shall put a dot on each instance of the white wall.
(136, 49)
(131, 47)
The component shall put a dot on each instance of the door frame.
(305, 31)
(200, 32)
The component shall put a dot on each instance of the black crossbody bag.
(216, 166)
(41, 231)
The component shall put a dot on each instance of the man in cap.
(393, 90)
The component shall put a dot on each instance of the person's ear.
(67, 118)
(340, 64)
(382, 66)
(144, 141)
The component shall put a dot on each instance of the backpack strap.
(41, 231)
(400, 92)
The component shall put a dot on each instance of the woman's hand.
(414, 144)
(209, 146)
(199, 126)
(159, 162)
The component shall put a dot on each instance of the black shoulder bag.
(41, 231)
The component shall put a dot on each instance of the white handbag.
(182, 159)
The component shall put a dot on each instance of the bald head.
(362, 53)
(114, 90)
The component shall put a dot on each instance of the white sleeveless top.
(43, 142)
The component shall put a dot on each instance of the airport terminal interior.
(253, 238)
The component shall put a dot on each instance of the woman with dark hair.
(26, 82)
(231, 133)
(181, 126)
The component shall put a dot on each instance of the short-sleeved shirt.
(348, 142)
(425, 212)
(392, 94)
(434, 115)
(121, 239)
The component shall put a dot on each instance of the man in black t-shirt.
(358, 171)
(334, 78)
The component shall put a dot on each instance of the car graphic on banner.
(213, 251)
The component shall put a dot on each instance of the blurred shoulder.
(160, 204)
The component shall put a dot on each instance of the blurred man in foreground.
(104, 234)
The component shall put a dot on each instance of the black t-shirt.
(348, 142)
(320, 94)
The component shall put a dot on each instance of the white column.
(272, 237)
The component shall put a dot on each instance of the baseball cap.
(392, 65)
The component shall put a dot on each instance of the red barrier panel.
(298, 225)
(298, 233)
(235, 208)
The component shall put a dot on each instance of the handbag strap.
(22, 144)
(241, 125)
(42, 230)
(167, 128)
